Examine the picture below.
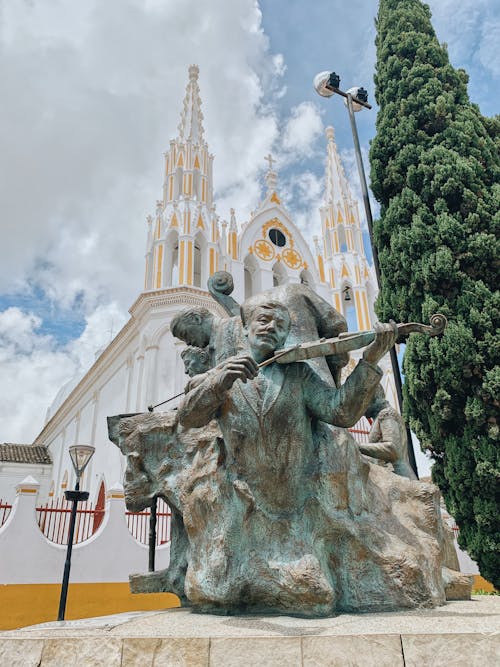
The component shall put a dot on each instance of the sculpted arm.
(386, 436)
(202, 402)
(345, 405)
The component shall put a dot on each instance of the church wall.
(107, 459)
(171, 378)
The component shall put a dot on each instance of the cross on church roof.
(270, 159)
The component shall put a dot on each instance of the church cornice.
(186, 296)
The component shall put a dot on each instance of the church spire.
(191, 126)
(185, 248)
(337, 188)
(342, 260)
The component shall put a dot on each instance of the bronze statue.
(276, 508)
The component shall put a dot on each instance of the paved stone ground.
(459, 633)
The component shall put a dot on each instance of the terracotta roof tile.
(10, 453)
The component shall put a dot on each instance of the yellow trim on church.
(190, 263)
(234, 247)
(159, 266)
(359, 313)
(338, 305)
(275, 198)
(212, 261)
(181, 263)
(365, 309)
(321, 267)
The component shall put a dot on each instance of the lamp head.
(359, 93)
(325, 82)
(80, 455)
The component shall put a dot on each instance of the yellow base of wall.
(27, 604)
(481, 584)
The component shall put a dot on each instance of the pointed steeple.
(191, 126)
(337, 188)
(185, 246)
(342, 258)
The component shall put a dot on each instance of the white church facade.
(186, 244)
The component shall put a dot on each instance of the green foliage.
(435, 169)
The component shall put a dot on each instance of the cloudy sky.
(91, 93)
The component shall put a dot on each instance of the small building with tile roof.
(17, 462)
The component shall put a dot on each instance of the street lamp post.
(80, 456)
(327, 84)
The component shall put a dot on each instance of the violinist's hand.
(236, 368)
(385, 337)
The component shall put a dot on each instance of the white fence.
(109, 555)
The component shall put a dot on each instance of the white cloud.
(302, 129)
(471, 28)
(91, 97)
(34, 368)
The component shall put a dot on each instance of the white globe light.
(354, 93)
(319, 83)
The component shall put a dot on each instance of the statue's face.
(193, 332)
(195, 363)
(267, 330)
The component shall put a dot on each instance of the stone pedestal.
(460, 633)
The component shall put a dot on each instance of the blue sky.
(92, 95)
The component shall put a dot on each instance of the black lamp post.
(80, 456)
(327, 84)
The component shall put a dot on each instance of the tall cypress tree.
(435, 170)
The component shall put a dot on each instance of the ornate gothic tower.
(184, 245)
(341, 256)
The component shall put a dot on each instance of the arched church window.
(196, 184)
(197, 266)
(349, 308)
(175, 266)
(342, 239)
(277, 237)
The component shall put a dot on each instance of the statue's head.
(377, 403)
(196, 360)
(267, 324)
(193, 326)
